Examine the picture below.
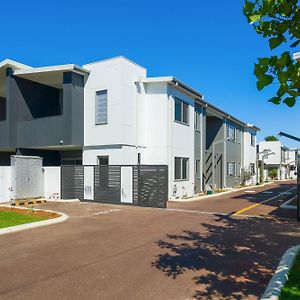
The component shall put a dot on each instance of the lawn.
(291, 291)
(12, 216)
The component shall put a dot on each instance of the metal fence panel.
(107, 184)
(72, 182)
(150, 186)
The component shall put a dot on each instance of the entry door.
(126, 185)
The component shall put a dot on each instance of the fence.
(141, 185)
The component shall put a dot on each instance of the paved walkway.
(121, 252)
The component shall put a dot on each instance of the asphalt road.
(121, 252)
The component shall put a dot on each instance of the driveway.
(122, 252)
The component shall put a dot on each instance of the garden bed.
(13, 216)
(291, 290)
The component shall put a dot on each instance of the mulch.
(31, 212)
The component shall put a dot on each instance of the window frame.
(229, 128)
(183, 113)
(252, 140)
(100, 157)
(197, 121)
(96, 107)
(233, 164)
(182, 171)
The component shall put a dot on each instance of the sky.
(206, 44)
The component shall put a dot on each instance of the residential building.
(274, 155)
(110, 113)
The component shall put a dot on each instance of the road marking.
(257, 204)
(106, 212)
(250, 192)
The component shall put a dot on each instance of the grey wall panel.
(26, 103)
(36, 100)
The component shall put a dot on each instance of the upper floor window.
(252, 140)
(181, 111)
(231, 133)
(101, 107)
(197, 121)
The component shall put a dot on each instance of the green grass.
(8, 219)
(291, 291)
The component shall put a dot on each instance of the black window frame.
(184, 111)
(182, 171)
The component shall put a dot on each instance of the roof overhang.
(4, 65)
(51, 76)
(199, 98)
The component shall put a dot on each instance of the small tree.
(271, 138)
(278, 21)
(246, 175)
(273, 174)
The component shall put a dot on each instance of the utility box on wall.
(26, 177)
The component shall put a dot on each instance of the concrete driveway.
(121, 252)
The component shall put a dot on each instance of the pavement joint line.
(257, 204)
(197, 211)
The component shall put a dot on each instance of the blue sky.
(207, 44)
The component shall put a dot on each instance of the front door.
(126, 185)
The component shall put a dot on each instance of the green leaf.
(282, 90)
(248, 7)
(284, 59)
(263, 81)
(290, 101)
(275, 42)
(293, 93)
(254, 18)
(295, 44)
(275, 100)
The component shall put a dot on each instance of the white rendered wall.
(163, 137)
(249, 154)
(275, 147)
(118, 77)
(52, 182)
(5, 184)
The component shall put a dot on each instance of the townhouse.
(274, 155)
(110, 113)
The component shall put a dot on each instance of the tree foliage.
(273, 174)
(271, 138)
(279, 22)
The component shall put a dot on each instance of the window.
(101, 107)
(103, 160)
(252, 140)
(139, 158)
(181, 111)
(197, 168)
(2, 109)
(197, 121)
(252, 168)
(181, 168)
(231, 133)
(231, 168)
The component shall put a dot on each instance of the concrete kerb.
(63, 217)
(280, 277)
(192, 199)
